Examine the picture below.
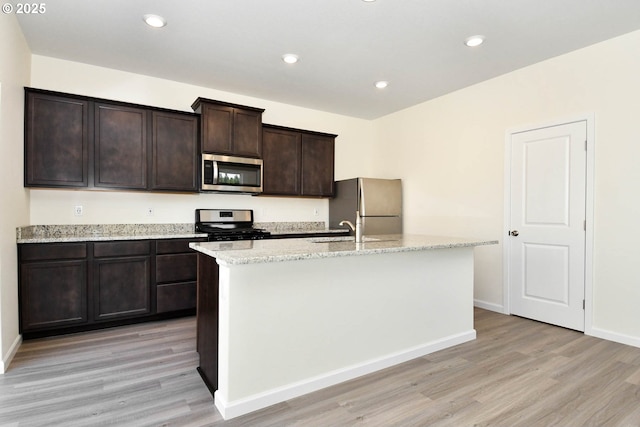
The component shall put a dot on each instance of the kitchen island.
(282, 318)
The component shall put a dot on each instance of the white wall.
(56, 206)
(450, 153)
(15, 60)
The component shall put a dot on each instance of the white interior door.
(547, 224)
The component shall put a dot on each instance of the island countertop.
(267, 251)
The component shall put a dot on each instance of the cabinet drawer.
(114, 249)
(175, 296)
(175, 246)
(52, 251)
(176, 268)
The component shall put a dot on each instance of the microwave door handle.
(215, 172)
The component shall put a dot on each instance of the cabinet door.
(120, 147)
(317, 165)
(281, 151)
(121, 287)
(247, 133)
(174, 152)
(217, 129)
(56, 141)
(121, 279)
(53, 294)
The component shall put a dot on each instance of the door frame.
(589, 118)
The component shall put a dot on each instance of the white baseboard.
(489, 306)
(594, 332)
(6, 360)
(614, 336)
(270, 397)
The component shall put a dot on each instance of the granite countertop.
(103, 232)
(107, 232)
(264, 251)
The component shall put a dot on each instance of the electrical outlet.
(77, 210)
(149, 211)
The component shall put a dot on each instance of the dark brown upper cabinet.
(318, 153)
(174, 152)
(120, 147)
(229, 128)
(281, 154)
(56, 141)
(75, 141)
(298, 162)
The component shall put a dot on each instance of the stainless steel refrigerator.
(379, 202)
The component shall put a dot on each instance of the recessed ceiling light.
(155, 21)
(382, 84)
(474, 41)
(368, 1)
(290, 58)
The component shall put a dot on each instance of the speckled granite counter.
(103, 232)
(106, 232)
(263, 251)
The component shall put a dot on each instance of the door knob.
(514, 233)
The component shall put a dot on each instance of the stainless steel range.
(228, 224)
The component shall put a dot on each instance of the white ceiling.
(344, 45)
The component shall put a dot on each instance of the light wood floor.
(517, 373)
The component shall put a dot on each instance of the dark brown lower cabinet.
(121, 279)
(175, 296)
(176, 274)
(207, 322)
(53, 285)
(54, 294)
(121, 287)
(69, 287)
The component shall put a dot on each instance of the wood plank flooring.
(517, 373)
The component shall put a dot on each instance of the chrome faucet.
(357, 229)
(349, 223)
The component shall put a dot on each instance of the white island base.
(290, 327)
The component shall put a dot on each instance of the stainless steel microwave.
(231, 174)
